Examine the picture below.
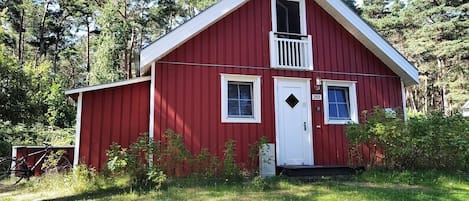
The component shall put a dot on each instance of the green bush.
(134, 162)
(423, 142)
(230, 169)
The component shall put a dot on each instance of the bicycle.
(13, 170)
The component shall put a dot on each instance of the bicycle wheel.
(12, 171)
(63, 165)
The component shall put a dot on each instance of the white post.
(309, 52)
(273, 50)
(151, 124)
(14, 152)
(404, 99)
(76, 154)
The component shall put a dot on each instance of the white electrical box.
(267, 160)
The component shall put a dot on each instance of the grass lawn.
(370, 185)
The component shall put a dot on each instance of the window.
(289, 16)
(340, 102)
(240, 98)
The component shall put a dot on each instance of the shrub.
(134, 162)
(174, 153)
(205, 164)
(230, 169)
(426, 142)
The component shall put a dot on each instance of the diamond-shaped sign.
(292, 101)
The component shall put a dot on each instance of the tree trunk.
(41, 48)
(20, 39)
(425, 104)
(132, 44)
(444, 97)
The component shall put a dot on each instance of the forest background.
(49, 46)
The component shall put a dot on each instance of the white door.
(293, 121)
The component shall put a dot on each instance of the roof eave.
(186, 31)
(73, 92)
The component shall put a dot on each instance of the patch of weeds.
(262, 184)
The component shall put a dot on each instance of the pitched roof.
(336, 8)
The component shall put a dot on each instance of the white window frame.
(256, 97)
(302, 15)
(352, 93)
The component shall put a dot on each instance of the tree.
(434, 36)
(352, 5)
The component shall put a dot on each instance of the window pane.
(245, 91)
(332, 111)
(343, 111)
(232, 90)
(233, 108)
(246, 108)
(331, 95)
(340, 95)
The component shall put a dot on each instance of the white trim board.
(151, 125)
(186, 31)
(76, 154)
(353, 105)
(309, 122)
(256, 97)
(110, 85)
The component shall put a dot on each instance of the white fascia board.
(106, 86)
(186, 31)
(372, 40)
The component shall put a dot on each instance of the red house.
(295, 71)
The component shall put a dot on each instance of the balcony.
(291, 51)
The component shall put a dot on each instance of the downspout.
(76, 154)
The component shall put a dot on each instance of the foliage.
(205, 164)
(230, 168)
(22, 134)
(174, 153)
(134, 162)
(265, 184)
(434, 36)
(254, 150)
(433, 141)
(14, 89)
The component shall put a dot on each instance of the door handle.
(304, 124)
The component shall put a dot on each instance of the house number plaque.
(316, 97)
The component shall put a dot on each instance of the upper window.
(289, 16)
(340, 102)
(240, 98)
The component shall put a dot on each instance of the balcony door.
(289, 16)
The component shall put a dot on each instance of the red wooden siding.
(187, 99)
(187, 87)
(25, 150)
(118, 114)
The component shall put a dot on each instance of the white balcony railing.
(291, 51)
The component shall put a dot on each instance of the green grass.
(370, 185)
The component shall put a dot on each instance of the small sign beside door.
(316, 97)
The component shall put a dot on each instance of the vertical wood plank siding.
(113, 115)
(187, 90)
